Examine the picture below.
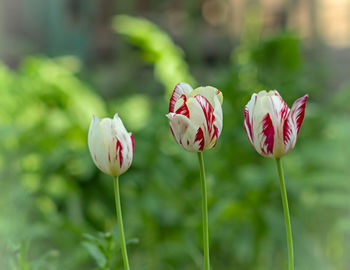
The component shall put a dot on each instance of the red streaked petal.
(184, 132)
(133, 143)
(200, 138)
(298, 111)
(248, 125)
(180, 90)
(293, 123)
(278, 108)
(214, 138)
(119, 153)
(287, 130)
(183, 109)
(284, 110)
(208, 111)
(268, 138)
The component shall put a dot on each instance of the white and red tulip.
(272, 127)
(195, 116)
(110, 145)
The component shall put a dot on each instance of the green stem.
(120, 223)
(286, 215)
(204, 213)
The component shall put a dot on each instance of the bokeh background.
(61, 61)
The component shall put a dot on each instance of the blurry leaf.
(133, 241)
(96, 253)
(45, 260)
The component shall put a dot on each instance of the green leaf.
(96, 253)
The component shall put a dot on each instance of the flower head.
(110, 145)
(272, 127)
(195, 116)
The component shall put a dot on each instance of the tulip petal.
(202, 115)
(218, 118)
(293, 123)
(268, 131)
(247, 124)
(181, 90)
(185, 132)
(276, 107)
(124, 144)
(111, 145)
(208, 111)
(200, 139)
(133, 142)
(96, 145)
(209, 93)
(181, 107)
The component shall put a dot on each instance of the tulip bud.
(110, 145)
(272, 127)
(195, 116)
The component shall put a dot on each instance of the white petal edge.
(96, 145)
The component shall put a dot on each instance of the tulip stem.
(204, 213)
(120, 223)
(286, 214)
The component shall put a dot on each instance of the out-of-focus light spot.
(31, 182)
(57, 121)
(57, 186)
(333, 22)
(215, 12)
(135, 111)
(46, 205)
(31, 162)
(31, 115)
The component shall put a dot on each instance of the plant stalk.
(204, 213)
(120, 223)
(286, 215)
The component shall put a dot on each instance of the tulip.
(273, 129)
(112, 150)
(111, 146)
(195, 116)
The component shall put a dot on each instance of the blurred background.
(61, 61)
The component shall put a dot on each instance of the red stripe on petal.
(284, 111)
(200, 138)
(286, 131)
(119, 153)
(183, 109)
(172, 132)
(247, 125)
(294, 120)
(215, 136)
(133, 143)
(208, 111)
(215, 133)
(179, 92)
(269, 133)
(299, 111)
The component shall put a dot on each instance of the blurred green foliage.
(157, 48)
(53, 195)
